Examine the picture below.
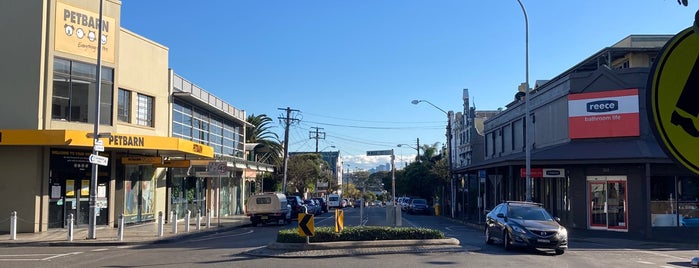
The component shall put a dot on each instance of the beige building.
(48, 110)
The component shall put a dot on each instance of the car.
(334, 201)
(525, 224)
(296, 204)
(311, 206)
(268, 208)
(323, 204)
(418, 206)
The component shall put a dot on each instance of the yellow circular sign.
(673, 99)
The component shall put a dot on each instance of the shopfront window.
(674, 201)
(139, 194)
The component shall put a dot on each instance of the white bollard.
(198, 219)
(120, 231)
(208, 218)
(71, 220)
(186, 221)
(13, 225)
(174, 222)
(160, 223)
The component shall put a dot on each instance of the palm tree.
(268, 149)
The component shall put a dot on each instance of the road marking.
(61, 255)
(99, 249)
(219, 236)
(645, 262)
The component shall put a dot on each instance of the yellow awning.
(80, 138)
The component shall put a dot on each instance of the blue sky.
(353, 67)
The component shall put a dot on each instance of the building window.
(674, 201)
(74, 87)
(195, 124)
(124, 106)
(144, 113)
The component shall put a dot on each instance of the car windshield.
(529, 213)
(419, 201)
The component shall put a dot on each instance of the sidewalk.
(135, 234)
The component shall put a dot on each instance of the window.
(674, 201)
(74, 87)
(144, 113)
(124, 106)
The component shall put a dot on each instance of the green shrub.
(360, 233)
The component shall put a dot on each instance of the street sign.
(99, 160)
(99, 146)
(339, 220)
(306, 225)
(218, 167)
(382, 152)
(673, 89)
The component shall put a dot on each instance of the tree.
(269, 149)
(304, 170)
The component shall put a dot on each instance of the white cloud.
(364, 162)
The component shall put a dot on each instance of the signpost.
(673, 89)
(306, 226)
(393, 212)
(99, 160)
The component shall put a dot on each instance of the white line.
(61, 255)
(19, 255)
(218, 237)
(645, 262)
(99, 249)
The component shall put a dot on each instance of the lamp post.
(411, 147)
(92, 222)
(528, 122)
(451, 180)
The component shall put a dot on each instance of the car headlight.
(518, 229)
(562, 232)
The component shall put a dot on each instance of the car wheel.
(560, 251)
(254, 223)
(506, 240)
(487, 236)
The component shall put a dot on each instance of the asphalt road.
(227, 250)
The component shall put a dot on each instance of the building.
(51, 106)
(334, 159)
(594, 160)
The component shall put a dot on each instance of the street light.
(418, 150)
(528, 123)
(451, 180)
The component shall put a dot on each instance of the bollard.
(120, 231)
(208, 218)
(71, 220)
(174, 222)
(13, 225)
(186, 221)
(198, 219)
(160, 223)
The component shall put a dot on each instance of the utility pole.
(418, 150)
(316, 135)
(287, 122)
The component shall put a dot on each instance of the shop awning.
(77, 138)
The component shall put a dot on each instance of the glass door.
(608, 203)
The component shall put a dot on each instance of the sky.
(350, 69)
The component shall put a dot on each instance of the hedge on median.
(360, 233)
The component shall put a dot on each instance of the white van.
(334, 201)
(268, 207)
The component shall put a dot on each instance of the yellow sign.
(306, 225)
(339, 220)
(672, 97)
(186, 163)
(141, 160)
(76, 32)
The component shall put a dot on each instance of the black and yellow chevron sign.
(306, 225)
(339, 220)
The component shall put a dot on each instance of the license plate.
(543, 241)
(263, 217)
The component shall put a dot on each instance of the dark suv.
(323, 204)
(296, 205)
(525, 224)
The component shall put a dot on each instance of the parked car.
(525, 224)
(268, 208)
(312, 206)
(296, 204)
(323, 204)
(418, 206)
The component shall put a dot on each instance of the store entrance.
(608, 201)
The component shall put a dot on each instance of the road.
(227, 250)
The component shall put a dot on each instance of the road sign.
(382, 152)
(218, 167)
(306, 225)
(99, 146)
(99, 160)
(339, 220)
(673, 91)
